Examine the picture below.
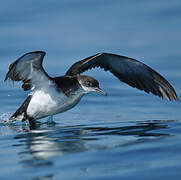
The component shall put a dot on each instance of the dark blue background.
(128, 134)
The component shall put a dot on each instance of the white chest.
(49, 102)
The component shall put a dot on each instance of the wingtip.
(175, 98)
(6, 78)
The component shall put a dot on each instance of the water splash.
(4, 117)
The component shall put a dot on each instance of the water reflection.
(43, 144)
(47, 177)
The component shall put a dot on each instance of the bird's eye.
(88, 84)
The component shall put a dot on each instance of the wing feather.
(129, 71)
(28, 68)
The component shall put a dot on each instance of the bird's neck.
(69, 85)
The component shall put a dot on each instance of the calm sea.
(128, 134)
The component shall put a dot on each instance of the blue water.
(126, 135)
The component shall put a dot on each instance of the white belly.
(46, 103)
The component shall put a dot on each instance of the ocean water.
(128, 134)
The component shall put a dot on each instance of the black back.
(66, 84)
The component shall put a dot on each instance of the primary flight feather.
(55, 95)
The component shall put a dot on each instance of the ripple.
(4, 117)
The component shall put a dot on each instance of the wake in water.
(7, 127)
(4, 117)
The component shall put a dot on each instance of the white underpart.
(48, 101)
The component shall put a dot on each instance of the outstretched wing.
(128, 70)
(28, 68)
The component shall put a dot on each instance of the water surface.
(126, 135)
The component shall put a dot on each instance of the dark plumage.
(66, 84)
(22, 111)
(128, 70)
(55, 95)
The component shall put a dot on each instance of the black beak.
(100, 91)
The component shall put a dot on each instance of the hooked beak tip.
(105, 94)
(101, 91)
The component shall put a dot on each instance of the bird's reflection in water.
(46, 141)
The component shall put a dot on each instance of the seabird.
(53, 95)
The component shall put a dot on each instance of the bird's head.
(90, 84)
